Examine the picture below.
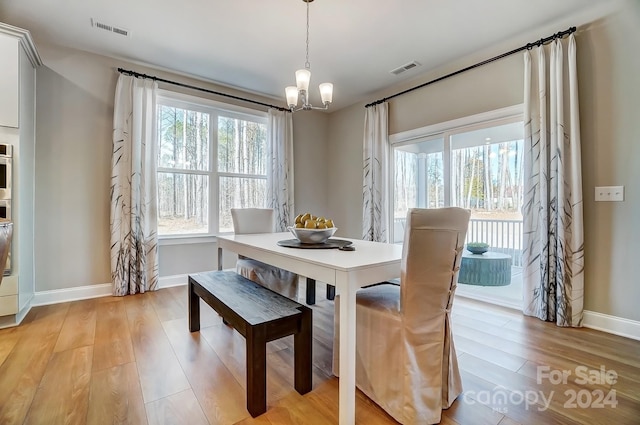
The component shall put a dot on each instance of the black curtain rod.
(528, 46)
(189, 86)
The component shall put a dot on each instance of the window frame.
(214, 109)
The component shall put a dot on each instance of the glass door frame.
(445, 130)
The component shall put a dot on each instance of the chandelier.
(303, 76)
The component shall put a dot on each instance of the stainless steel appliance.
(6, 156)
(5, 170)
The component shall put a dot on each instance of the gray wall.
(75, 93)
(609, 102)
(74, 115)
(311, 159)
(609, 81)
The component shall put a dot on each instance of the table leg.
(331, 292)
(194, 308)
(311, 291)
(347, 382)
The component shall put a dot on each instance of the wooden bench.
(260, 315)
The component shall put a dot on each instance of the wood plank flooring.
(132, 360)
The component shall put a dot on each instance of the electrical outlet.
(610, 193)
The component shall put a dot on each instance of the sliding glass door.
(478, 167)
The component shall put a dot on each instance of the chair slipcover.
(261, 220)
(405, 357)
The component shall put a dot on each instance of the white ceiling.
(258, 44)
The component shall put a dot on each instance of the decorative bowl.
(312, 235)
(477, 247)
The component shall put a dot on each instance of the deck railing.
(502, 235)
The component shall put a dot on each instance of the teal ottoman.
(488, 269)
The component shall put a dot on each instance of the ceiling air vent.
(120, 31)
(404, 68)
(110, 28)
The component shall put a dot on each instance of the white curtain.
(553, 255)
(280, 167)
(375, 192)
(134, 220)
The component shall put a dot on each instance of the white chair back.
(262, 220)
(253, 220)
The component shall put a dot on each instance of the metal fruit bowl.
(312, 235)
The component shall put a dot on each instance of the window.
(211, 158)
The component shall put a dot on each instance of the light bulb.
(303, 76)
(292, 96)
(326, 93)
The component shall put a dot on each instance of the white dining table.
(371, 262)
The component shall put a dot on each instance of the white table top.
(366, 253)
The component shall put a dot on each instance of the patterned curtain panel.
(134, 220)
(553, 255)
(375, 192)
(280, 170)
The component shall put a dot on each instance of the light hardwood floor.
(132, 360)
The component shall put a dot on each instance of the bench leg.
(256, 370)
(302, 346)
(311, 291)
(194, 309)
(331, 292)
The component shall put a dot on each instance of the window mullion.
(181, 171)
(242, 175)
(214, 181)
(446, 167)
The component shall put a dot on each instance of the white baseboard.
(56, 296)
(611, 324)
(174, 280)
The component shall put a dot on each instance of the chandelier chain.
(307, 65)
(303, 76)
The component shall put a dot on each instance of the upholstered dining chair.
(261, 220)
(405, 357)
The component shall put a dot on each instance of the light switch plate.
(610, 193)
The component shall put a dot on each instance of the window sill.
(186, 240)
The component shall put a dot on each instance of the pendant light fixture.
(303, 77)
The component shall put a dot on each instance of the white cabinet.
(9, 102)
(19, 60)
